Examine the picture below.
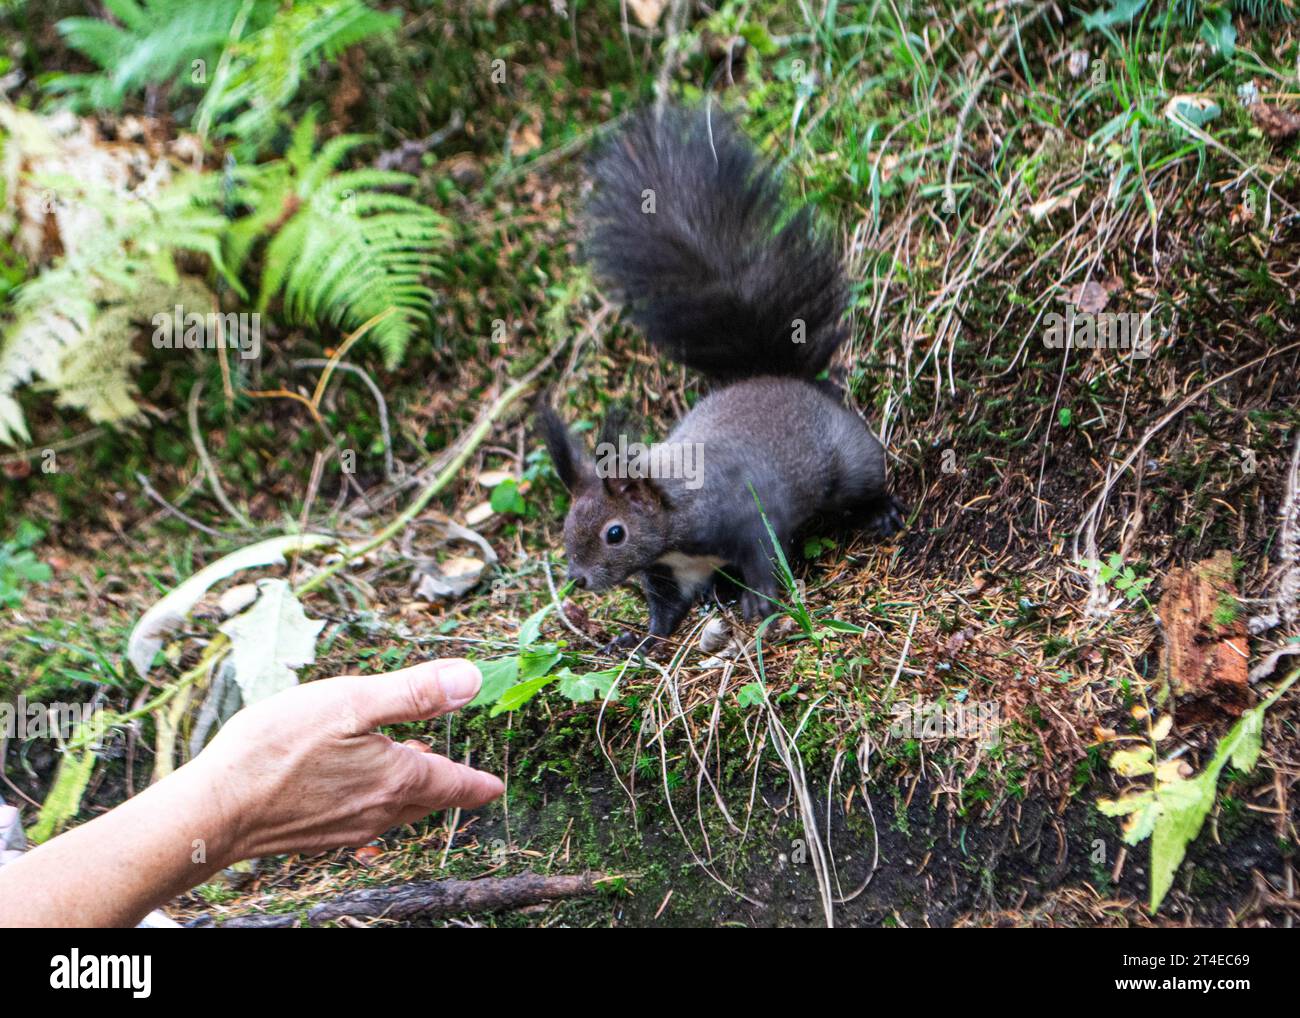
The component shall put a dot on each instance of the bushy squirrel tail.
(687, 225)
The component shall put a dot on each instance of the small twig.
(412, 149)
(26, 455)
(380, 403)
(286, 394)
(209, 469)
(453, 825)
(348, 342)
(153, 494)
(559, 607)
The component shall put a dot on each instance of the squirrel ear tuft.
(562, 446)
(616, 423)
(642, 493)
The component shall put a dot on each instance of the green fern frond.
(345, 250)
(254, 54)
(156, 42)
(71, 327)
(264, 72)
(75, 333)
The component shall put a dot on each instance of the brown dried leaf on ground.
(1277, 123)
(452, 577)
(1205, 639)
(525, 138)
(957, 641)
(1091, 297)
(447, 580)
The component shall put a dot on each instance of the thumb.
(415, 694)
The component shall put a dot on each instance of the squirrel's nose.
(576, 578)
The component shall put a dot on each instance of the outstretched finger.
(439, 783)
(414, 694)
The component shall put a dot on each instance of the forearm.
(114, 869)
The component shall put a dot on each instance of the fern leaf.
(130, 13)
(72, 326)
(348, 251)
(156, 40)
(267, 68)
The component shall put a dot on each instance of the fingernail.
(460, 682)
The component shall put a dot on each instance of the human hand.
(304, 770)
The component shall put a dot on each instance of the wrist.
(206, 817)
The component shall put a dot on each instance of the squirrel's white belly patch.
(692, 572)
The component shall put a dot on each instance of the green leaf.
(1219, 33)
(25, 565)
(1119, 13)
(518, 695)
(1065, 416)
(1183, 807)
(506, 498)
(815, 546)
(758, 36)
(750, 695)
(498, 676)
(1125, 805)
(1244, 751)
(537, 661)
(589, 686)
(1195, 110)
(532, 627)
(1177, 808)
(28, 534)
(1142, 824)
(508, 678)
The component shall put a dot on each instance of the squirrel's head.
(617, 524)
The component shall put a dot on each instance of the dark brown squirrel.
(687, 225)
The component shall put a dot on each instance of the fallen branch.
(1205, 653)
(428, 899)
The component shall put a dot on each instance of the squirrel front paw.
(756, 607)
(648, 646)
(622, 642)
(887, 517)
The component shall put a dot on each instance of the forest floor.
(705, 787)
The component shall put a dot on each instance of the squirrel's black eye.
(615, 534)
